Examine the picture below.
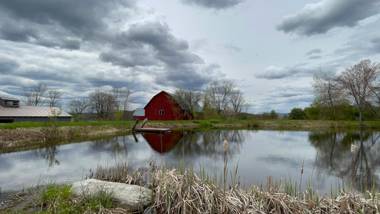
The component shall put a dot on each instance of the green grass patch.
(205, 124)
(59, 199)
(15, 125)
(101, 200)
(281, 124)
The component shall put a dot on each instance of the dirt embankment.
(25, 138)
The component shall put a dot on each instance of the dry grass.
(30, 138)
(183, 191)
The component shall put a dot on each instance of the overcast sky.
(270, 48)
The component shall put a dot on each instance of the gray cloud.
(57, 23)
(152, 45)
(300, 70)
(101, 81)
(292, 92)
(179, 76)
(129, 58)
(375, 45)
(320, 17)
(7, 66)
(17, 33)
(79, 17)
(23, 32)
(156, 37)
(314, 57)
(285, 97)
(143, 56)
(313, 52)
(232, 48)
(366, 44)
(12, 68)
(275, 72)
(214, 4)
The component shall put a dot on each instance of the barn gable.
(163, 106)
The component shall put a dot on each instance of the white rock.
(132, 196)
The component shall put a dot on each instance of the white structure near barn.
(12, 111)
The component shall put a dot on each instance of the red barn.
(163, 106)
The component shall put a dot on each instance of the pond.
(328, 159)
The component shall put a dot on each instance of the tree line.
(219, 99)
(354, 94)
(104, 103)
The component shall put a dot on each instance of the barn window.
(161, 112)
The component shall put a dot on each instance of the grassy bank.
(52, 199)
(215, 123)
(28, 135)
(17, 125)
(184, 191)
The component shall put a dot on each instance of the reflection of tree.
(49, 154)
(351, 156)
(210, 143)
(116, 145)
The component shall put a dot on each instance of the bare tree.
(54, 97)
(122, 96)
(328, 91)
(35, 96)
(79, 105)
(359, 83)
(189, 99)
(103, 103)
(237, 101)
(217, 95)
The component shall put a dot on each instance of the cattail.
(225, 145)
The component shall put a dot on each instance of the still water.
(328, 159)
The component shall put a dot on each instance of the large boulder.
(131, 196)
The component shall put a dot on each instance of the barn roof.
(8, 98)
(32, 111)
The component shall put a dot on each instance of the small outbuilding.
(164, 106)
(139, 114)
(12, 111)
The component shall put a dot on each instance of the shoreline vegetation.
(30, 135)
(184, 191)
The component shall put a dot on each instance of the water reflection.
(163, 142)
(196, 144)
(352, 156)
(330, 158)
(116, 146)
(49, 154)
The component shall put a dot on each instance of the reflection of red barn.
(163, 142)
(164, 106)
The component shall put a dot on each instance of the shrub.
(297, 114)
